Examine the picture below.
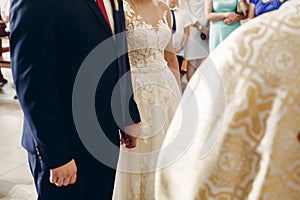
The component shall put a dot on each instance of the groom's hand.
(129, 141)
(64, 175)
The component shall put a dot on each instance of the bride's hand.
(132, 132)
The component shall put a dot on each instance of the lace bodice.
(157, 96)
(146, 43)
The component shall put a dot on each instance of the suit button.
(37, 151)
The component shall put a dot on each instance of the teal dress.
(218, 29)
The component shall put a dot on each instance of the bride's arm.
(169, 53)
(172, 61)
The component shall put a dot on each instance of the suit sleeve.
(133, 115)
(33, 56)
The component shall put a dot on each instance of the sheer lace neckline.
(135, 14)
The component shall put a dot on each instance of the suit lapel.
(94, 7)
(118, 16)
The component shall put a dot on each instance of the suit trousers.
(94, 181)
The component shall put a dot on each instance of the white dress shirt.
(196, 10)
(4, 7)
(181, 23)
(4, 10)
(109, 11)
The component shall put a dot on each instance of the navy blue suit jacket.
(49, 41)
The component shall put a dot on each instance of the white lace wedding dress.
(157, 95)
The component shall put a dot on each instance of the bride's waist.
(149, 68)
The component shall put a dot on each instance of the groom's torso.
(81, 27)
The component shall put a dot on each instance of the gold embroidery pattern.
(267, 67)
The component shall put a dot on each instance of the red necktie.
(102, 8)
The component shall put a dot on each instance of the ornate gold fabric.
(257, 156)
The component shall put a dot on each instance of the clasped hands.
(67, 174)
(231, 18)
(132, 132)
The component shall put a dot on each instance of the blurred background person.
(258, 7)
(223, 20)
(3, 81)
(196, 49)
(4, 28)
(180, 28)
(4, 10)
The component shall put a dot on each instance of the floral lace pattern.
(146, 44)
(157, 95)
